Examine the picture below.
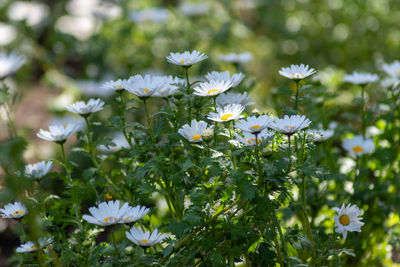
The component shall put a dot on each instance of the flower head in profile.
(134, 214)
(250, 139)
(212, 88)
(117, 85)
(38, 170)
(319, 135)
(348, 219)
(33, 246)
(85, 109)
(234, 98)
(193, 132)
(297, 72)
(358, 145)
(170, 86)
(254, 124)
(119, 141)
(392, 69)
(290, 124)
(360, 78)
(144, 86)
(144, 239)
(235, 79)
(236, 58)
(391, 81)
(227, 113)
(187, 58)
(14, 210)
(58, 133)
(107, 213)
(10, 63)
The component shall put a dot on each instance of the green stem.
(306, 225)
(289, 152)
(232, 146)
(297, 95)
(148, 120)
(115, 245)
(90, 143)
(363, 119)
(258, 160)
(65, 162)
(283, 243)
(123, 119)
(188, 93)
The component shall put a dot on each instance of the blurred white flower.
(254, 124)
(193, 9)
(392, 69)
(14, 210)
(58, 133)
(94, 89)
(194, 131)
(297, 72)
(358, 145)
(107, 213)
(249, 139)
(236, 58)
(32, 12)
(117, 85)
(38, 170)
(234, 98)
(144, 239)
(119, 140)
(69, 119)
(144, 86)
(212, 88)
(81, 27)
(134, 214)
(186, 58)
(171, 85)
(85, 109)
(225, 76)
(227, 113)
(348, 219)
(319, 135)
(150, 15)
(32, 246)
(290, 124)
(10, 63)
(391, 81)
(7, 34)
(360, 78)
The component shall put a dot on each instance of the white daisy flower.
(297, 72)
(358, 145)
(14, 210)
(227, 113)
(212, 88)
(390, 81)
(134, 214)
(249, 139)
(319, 135)
(144, 86)
(225, 76)
(116, 85)
(234, 98)
(236, 58)
(186, 58)
(32, 246)
(120, 142)
(254, 124)
(171, 85)
(38, 170)
(360, 78)
(10, 63)
(289, 125)
(194, 131)
(144, 239)
(84, 109)
(58, 133)
(392, 69)
(107, 213)
(348, 219)
(208, 133)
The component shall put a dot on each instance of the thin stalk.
(65, 162)
(278, 252)
(281, 237)
(215, 123)
(258, 160)
(363, 119)
(188, 93)
(307, 226)
(91, 147)
(289, 152)
(148, 121)
(12, 131)
(297, 95)
(232, 146)
(123, 119)
(115, 246)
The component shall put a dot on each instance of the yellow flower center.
(119, 86)
(253, 139)
(145, 241)
(398, 72)
(108, 196)
(196, 137)
(182, 61)
(146, 90)
(297, 75)
(212, 91)
(255, 127)
(126, 218)
(18, 212)
(344, 219)
(33, 247)
(226, 117)
(110, 218)
(358, 149)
